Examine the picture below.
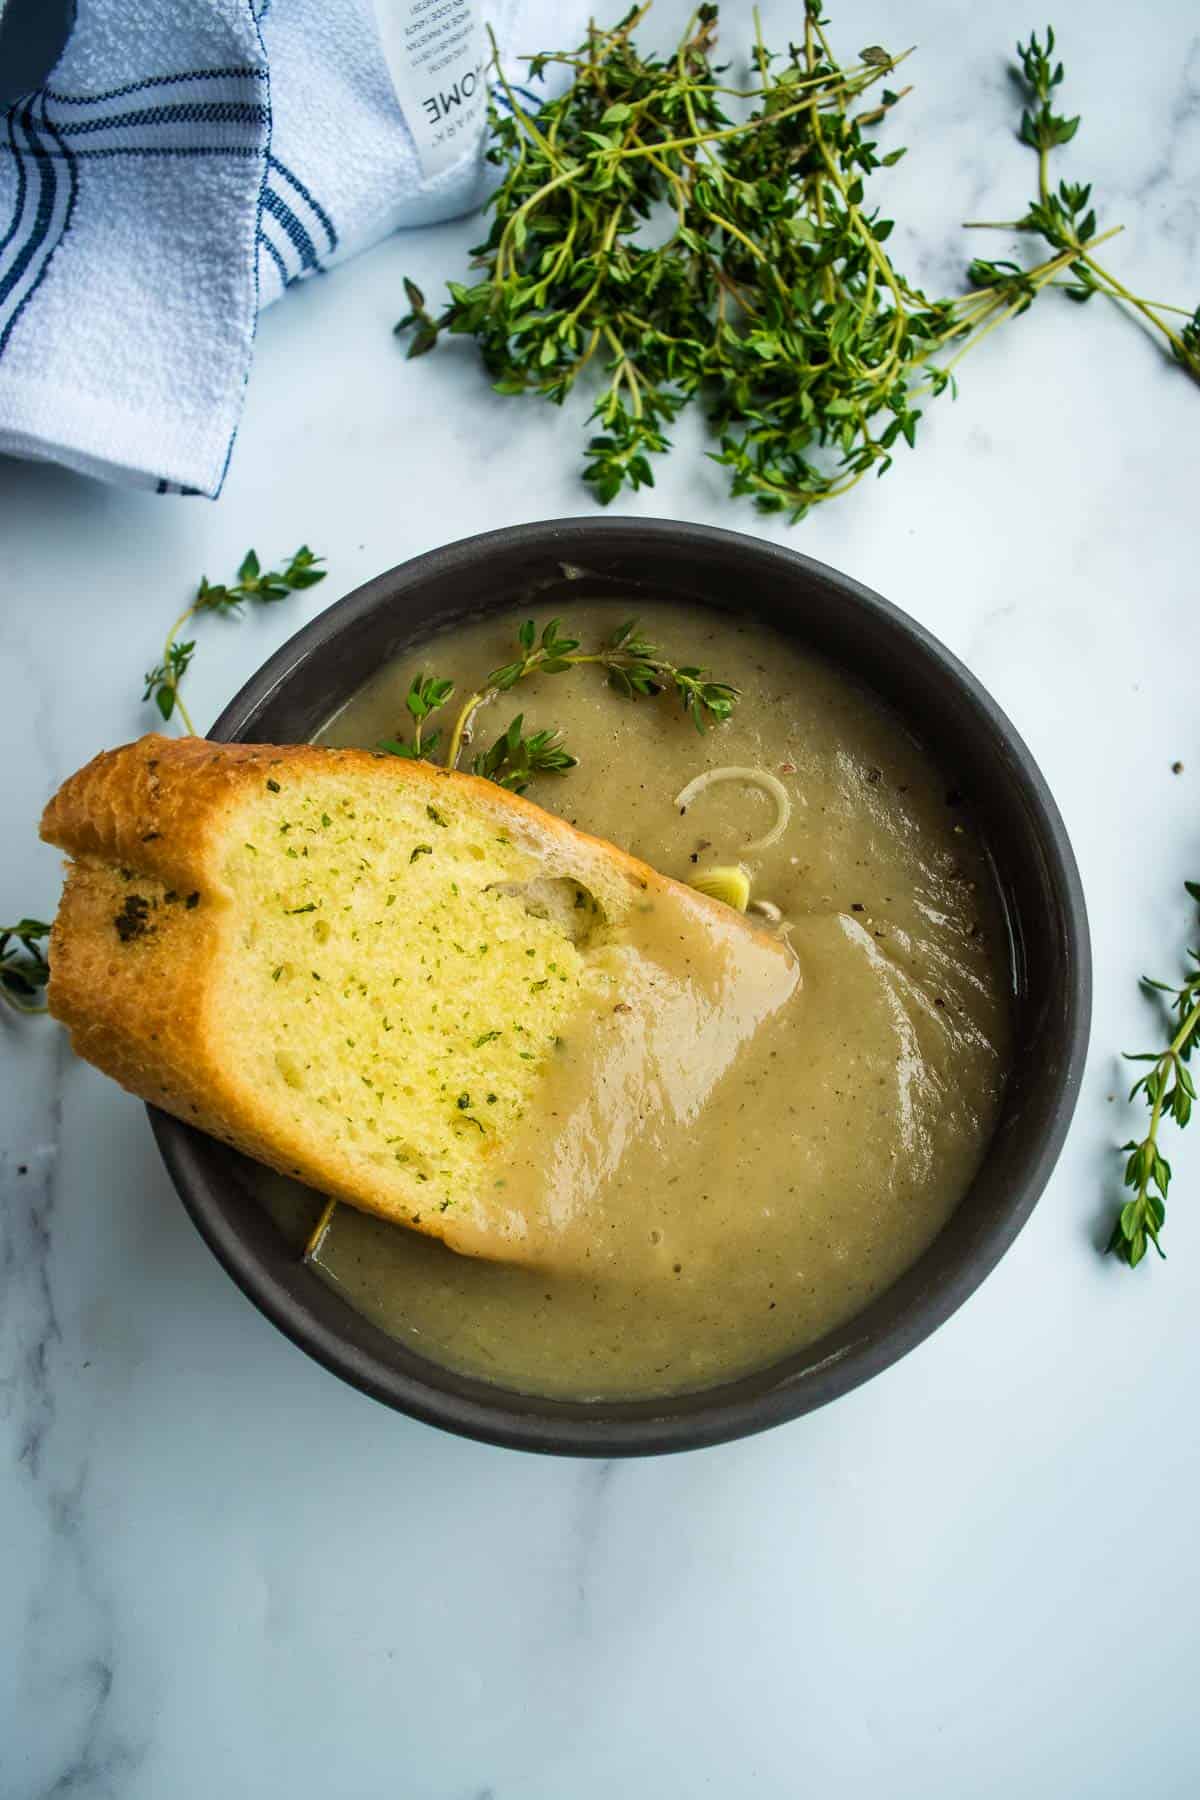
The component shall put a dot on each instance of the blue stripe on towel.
(304, 246)
(47, 201)
(22, 183)
(154, 81)
(44, 212)
(77, 155)
(64, 150)
(326, 221)
(267, 245)
(206, 112)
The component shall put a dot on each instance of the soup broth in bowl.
(715, 1239)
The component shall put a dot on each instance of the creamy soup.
(852, 1120)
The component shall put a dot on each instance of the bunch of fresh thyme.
(1170, 1091)
(773, 299)
(634, 667)
(252, 583)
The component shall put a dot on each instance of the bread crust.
(143, 826)
(156, 804)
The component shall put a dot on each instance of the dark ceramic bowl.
(293, 696)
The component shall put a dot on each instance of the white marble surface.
(225, 1574)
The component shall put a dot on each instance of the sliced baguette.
(356, 968)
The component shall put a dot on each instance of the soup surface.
(851, 1122)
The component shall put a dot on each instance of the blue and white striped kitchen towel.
(182, 166)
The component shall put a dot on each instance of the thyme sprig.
(24, 970)
(634, 666)
(514, 759)
(424, 697)
(253, 583)
(1065, 217)
(773, 300)
(1170, 1092)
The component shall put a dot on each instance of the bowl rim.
(675, 1422)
